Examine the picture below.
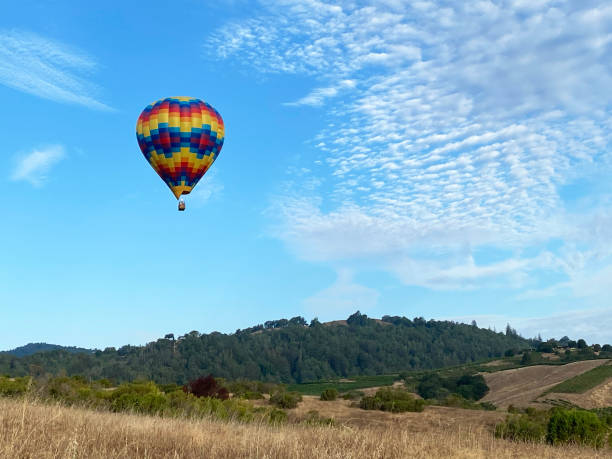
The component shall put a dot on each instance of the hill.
(522, 387)
(34, 348)
(283, 350)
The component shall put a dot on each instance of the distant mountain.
(34, 348)
(285, 350)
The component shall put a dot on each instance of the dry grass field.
(33, 430)
(522, 386)
(598, 397)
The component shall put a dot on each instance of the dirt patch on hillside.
(522, 386)
(432, 417)
(494, 363)
(598, 397)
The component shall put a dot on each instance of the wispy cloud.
(47, 69)
(208, 188)
(343, 296)
(450, 138)
(318, 95)
(35, 166)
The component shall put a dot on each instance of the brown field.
(433, 418)
(523, 386)
(34, 430)
(598, 397)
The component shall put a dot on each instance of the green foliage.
(457, 401)
(277, 416)
(357, 382)
(282, 351)
(252, 390)
(529, 358)
(352, 395)
(10, 387)
(576, 427)
(329, 394)
(393, 400)
(545, 347)
(585, 381)
(287, 400)
(314, 418)
(521, 428)
(470, 387)
(605, 414)
(143, 397)
(487, 406)
(557, 426)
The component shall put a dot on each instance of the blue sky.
(441, 159)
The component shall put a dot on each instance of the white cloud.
(208, 188)
(318, 96)
(47, 69)
(464, 121)
(343, 296)
(35, 166)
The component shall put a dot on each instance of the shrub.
(457, 401)
(206, 387)
(527, 358)
(11, 387)
(488, 406)
(471, 387)
(139, 397)
(329, 394)
(277, 416)
(286, 400)
(353, 395)
(577, 427)
(521, 428)
(393, 400)
(314, 418)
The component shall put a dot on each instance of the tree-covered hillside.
(34, 348)
(283, 350)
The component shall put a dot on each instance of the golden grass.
(31, 429)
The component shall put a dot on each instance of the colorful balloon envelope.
(180, 137)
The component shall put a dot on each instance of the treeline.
(286, 350)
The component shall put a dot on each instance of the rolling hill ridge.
(285, 350)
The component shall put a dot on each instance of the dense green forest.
(34, 348)
(283, 351)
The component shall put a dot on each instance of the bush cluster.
(10, 387)
(314, 418)
(206, 386)
(353, 395)
(457, 401)
(252, 390)
(393, 400)
(287, 400)
(557, 426)
(144, 397)
(434, 386)
(329, 394)
(576, 426)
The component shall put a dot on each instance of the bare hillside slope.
(598, 397)
(522, 386)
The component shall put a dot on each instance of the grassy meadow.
(32, 429)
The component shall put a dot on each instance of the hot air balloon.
(180, 137)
